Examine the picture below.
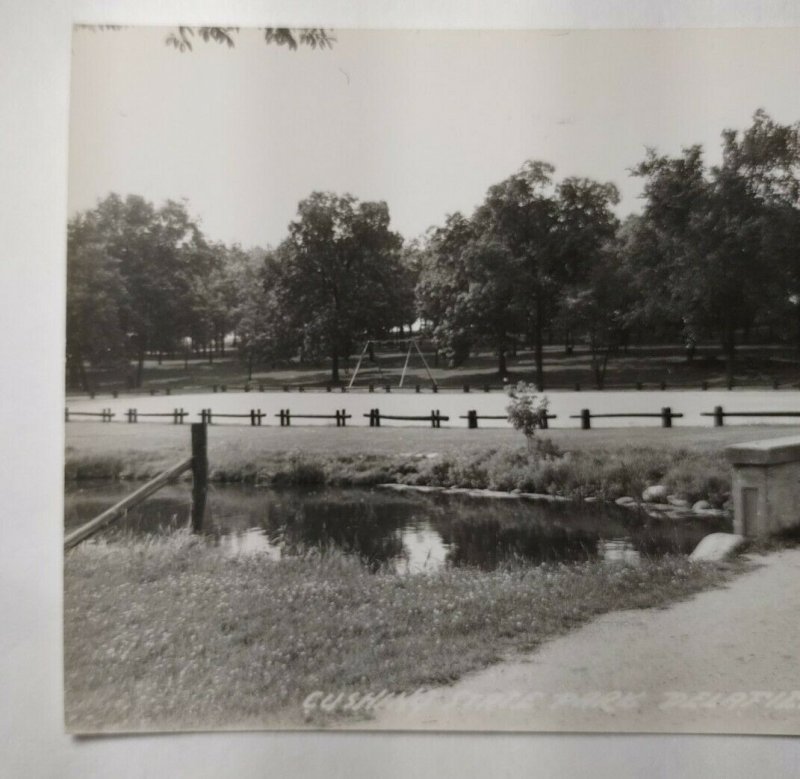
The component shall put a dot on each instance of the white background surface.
(34, 54)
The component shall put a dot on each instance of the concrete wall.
(766, 486)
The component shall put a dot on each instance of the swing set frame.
(412, 345)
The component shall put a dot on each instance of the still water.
(407, 532)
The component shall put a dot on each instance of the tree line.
(714, 254)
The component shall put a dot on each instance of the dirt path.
(724, 661)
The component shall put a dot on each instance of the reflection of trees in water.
(489, 542)
(356, 527)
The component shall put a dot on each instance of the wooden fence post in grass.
(577, 386)
(666, 417)
(344, 417)
(586, 419)
(719, 416)
(131, 416)
(472, 419)
(199, 474)
(466, 388)
(252, 417)
(371, 388)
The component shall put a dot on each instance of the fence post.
(327, 388)
(344, 417)
(416, 388)
(252, 417)
(199, 474)
(586, 419)
(666, 417)
(387, 387)
(114, 394)
(168, 390)
(466, 388)
(301, 388)
(704, 386)
(577, 386)
(372, 388)
(435, 387)
(543, 422)
(343, 388)
(719, 416)
(377, 417)
(472, 419)
(663, 385)
(638, 385)
(486, 388)
(181, 415)
(288, 418)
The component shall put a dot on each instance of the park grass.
(607, 464)
(757, 366)
(170, 632)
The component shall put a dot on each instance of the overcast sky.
(426, 121)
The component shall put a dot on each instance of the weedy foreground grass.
(171, 633)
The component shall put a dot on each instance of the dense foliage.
(712, 256)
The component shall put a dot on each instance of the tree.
(704, 229)
(341, 275)
(600, 308)
(442, 286)
(153, 259)
(94, 296)
(181, 38)
(526, 411)
(553, 233)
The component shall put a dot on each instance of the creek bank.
(671, 510)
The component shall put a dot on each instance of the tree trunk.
(502, 367)
(538, 347)
(729, 347)
(250, 366)
(140, 366)
(335, 368)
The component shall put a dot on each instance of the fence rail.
(666, 415)
(719, 414)
(435, 418)
(286, 417)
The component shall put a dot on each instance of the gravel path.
(724, 661)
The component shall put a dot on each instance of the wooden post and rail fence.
(435, 418)
(197, 464)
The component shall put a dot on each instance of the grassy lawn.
(171, 633)
(607, 463)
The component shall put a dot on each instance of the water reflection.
(408, 532)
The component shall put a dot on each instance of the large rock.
(702, 505)
(655, 493)
(678, 502)
(624, 501)
(716, 547)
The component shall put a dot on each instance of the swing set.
(370, 345)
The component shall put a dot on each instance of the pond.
(407, 532)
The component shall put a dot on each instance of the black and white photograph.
(432, 380)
